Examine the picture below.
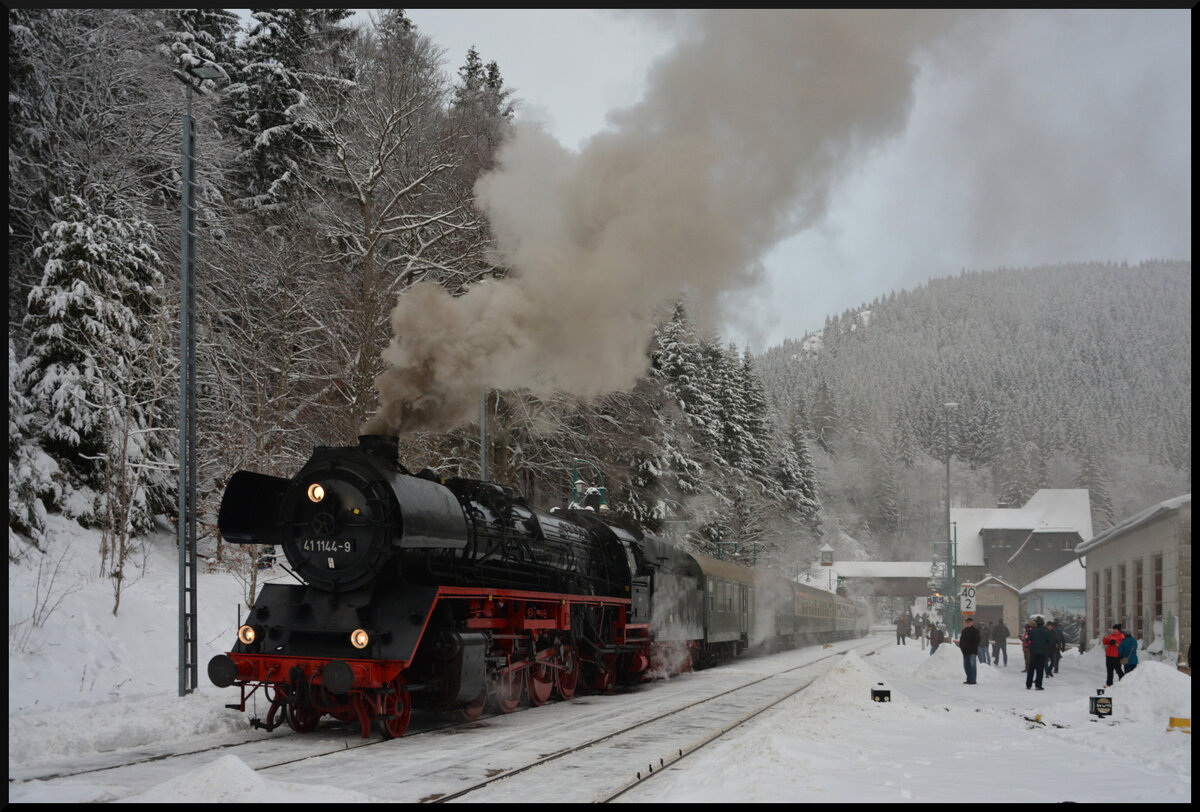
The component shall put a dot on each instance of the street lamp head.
(200, 68)
(208, 71)
(194, 72)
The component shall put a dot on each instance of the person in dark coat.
(1112, 654)
(1000, 642)
(902, 630)
(935, 638)
(983, 643)
(1058, 644)
(968, 641)
(1039, 645)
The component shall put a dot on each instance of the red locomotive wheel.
(473, 711)
(567, 679)
(606, 680)
(541, 684)
(303, 718)
(508, 691)
(395, 710)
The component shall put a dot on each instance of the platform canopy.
(886, 578)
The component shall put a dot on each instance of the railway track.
(618, 751)
(669, 737)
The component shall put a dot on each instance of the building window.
(1066, 544)
(1158, 613)
(1108, 599)
(1122, 617)
(1139, 598)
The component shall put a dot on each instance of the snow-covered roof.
(883, 569)
(992, 579)
(1133, 522)
(1050, 510)
(1070, 577)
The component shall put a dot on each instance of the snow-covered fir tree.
(95, 376)
(32, 482)
(270, 98)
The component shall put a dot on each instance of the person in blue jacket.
(1127, 653)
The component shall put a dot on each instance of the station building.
(1019, 545)
(1139, 574)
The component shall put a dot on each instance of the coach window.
(711, 599)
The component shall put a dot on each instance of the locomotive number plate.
(327, 546)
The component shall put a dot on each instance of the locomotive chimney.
(381, 445)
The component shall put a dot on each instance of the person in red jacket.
(1112, 657)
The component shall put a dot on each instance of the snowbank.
(229, 780)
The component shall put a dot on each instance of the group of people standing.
(1120, 653)
(1042, 643)
(920, 628)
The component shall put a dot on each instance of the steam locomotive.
(453, 593)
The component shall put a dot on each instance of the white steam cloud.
(743, 131)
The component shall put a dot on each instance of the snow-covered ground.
(85, 685)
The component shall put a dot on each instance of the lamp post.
(951, 551)
(720, 543)
(577, 489)
(194, 72)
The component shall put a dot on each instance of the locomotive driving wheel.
(395, 709)
(302, 718)
(508, 689)
(473, 711)
(567, 679)
(541, 684)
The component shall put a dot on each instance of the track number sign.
(968, 600)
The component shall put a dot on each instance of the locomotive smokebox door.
(881, 694)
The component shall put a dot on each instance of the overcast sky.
(1030, 137)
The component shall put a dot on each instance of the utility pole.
(191, 76)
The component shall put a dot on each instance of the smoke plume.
(743, 129)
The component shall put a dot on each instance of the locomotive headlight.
(315, 492)
(247, 634)
(359, 638)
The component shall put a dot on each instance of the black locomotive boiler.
(448, 593)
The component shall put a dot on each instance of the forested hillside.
(1064, 376)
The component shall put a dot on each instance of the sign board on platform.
(968, 600)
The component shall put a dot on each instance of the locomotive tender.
(450, 592)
